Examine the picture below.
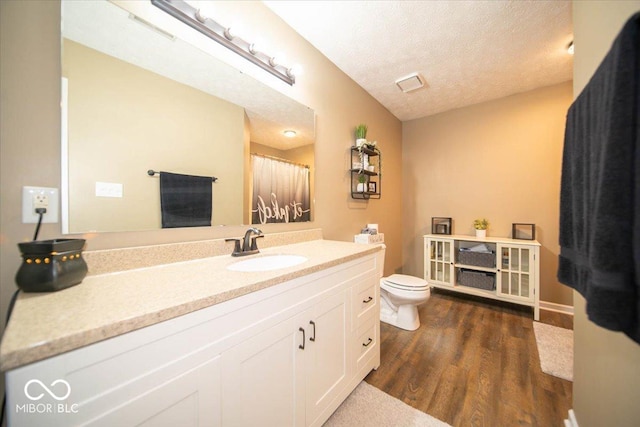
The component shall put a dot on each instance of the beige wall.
(500, 160)
(119, 127)
(606, 385)
(30, 138)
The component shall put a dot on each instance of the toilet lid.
(402, 281)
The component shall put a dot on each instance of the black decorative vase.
(51, 265)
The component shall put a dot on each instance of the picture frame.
(373, 187)
(440, 225)
(522, 231)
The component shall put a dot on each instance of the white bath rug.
(555, 347)
(367, 406)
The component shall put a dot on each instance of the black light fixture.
(193, 17)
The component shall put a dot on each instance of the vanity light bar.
(192, 17)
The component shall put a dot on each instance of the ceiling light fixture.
(289, 133)
(410, 83)
(191, 16)
(570, 48)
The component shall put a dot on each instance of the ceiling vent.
(410, 83)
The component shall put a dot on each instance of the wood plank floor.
(473, 363)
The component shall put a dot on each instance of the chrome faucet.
(249, 245)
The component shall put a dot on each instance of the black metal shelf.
(356, 172)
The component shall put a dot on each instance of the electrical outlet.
(40, 200)
(39, 197)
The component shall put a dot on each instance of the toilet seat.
(405, 283)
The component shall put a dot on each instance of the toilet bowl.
(400, 296)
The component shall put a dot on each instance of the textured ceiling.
(467, 51)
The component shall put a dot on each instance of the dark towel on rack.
(600, 189)
(185, 200)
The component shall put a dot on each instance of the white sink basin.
(267, 262)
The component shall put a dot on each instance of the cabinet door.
(179, 393)
(263, 378)
(439, 262)
(191, 399)
(516, 272)
(328, 367)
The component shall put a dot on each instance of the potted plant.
(361, 135)
(481, 225)
(362, 180)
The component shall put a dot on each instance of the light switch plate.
(108, 189)
(30, 195)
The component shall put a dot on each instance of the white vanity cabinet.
(285, 355)
(151, 377)
(510, 272)
(288, 374)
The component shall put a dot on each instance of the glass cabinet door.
(516, 272)
(440, 261)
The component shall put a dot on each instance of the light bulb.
(295, 70)
(200, 17)
(570, 49)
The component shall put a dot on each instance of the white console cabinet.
(510, 271)
(285, 355)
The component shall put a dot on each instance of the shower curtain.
(280, 191)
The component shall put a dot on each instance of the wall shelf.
(366, 166)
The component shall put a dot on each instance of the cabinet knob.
(368, 300)
(367, 343)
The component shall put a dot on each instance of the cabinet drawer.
(365, 302)
(366, 346)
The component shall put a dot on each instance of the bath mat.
(367, 406)
(555, 347)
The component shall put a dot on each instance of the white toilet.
(400, 296)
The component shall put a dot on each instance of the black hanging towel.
(185, 200)
(600, 190)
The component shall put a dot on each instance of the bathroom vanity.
(194, 343)
(508, 271)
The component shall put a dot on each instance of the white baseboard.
(560, 308)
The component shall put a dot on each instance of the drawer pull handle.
(368, 342)
(301, 346)
(313, 338)
(368, 300)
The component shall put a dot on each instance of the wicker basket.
(476, 279)
(477, 259)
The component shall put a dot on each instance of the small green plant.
(362, 178)
(481, 224)
(361, 131)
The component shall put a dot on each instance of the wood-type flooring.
(473, 362)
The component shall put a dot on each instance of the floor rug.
(555, 347)
(367, 406)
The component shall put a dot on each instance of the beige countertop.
(107, 305)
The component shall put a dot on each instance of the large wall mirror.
(136, 97)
